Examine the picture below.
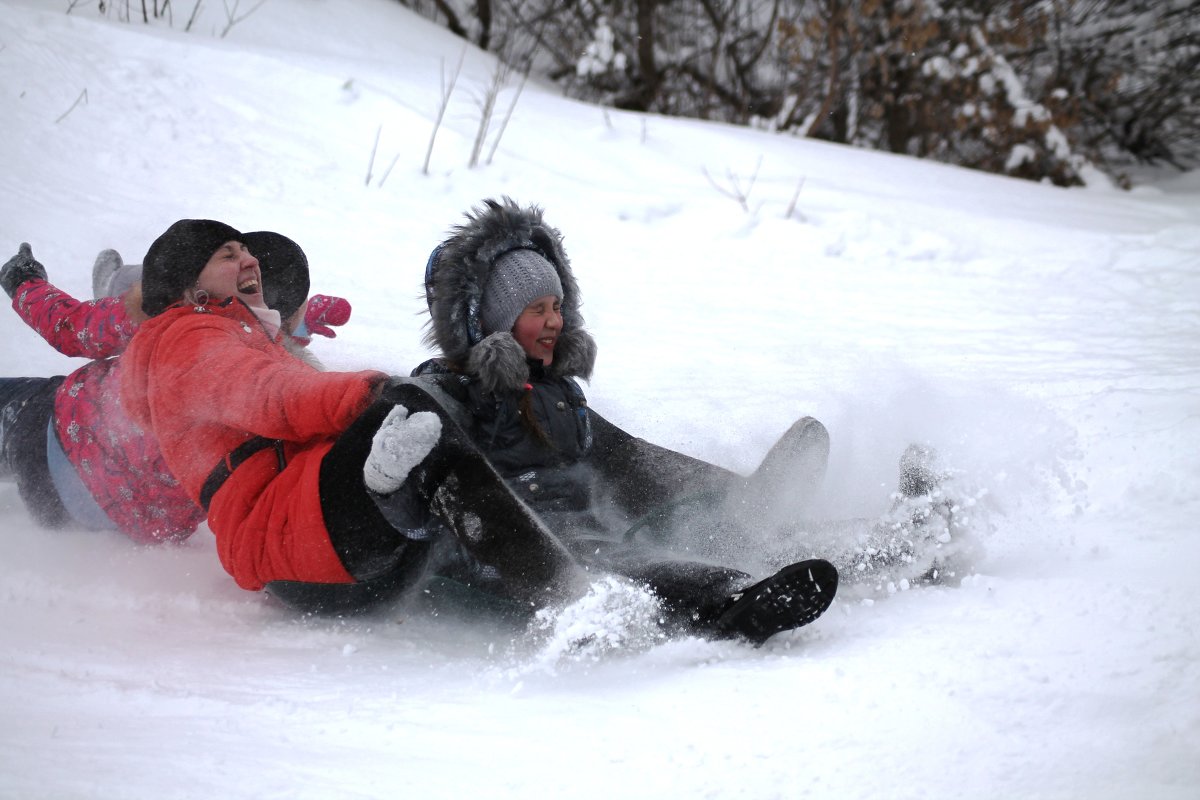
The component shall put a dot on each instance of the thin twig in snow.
(82, 97)
(374, 149)
(507, 117)
(486, 109)
(791, 209)
(192, 19)
(447, 90)
(231, 17)
(388, 171)
(739, 194)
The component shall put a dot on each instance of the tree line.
(1040, 90)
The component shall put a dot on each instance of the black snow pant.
(26, 408)
(384, 562)
(457, 494)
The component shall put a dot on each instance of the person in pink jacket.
(76, 456)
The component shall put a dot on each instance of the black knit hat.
(284, 270)
(176, 259)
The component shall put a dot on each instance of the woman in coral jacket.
(288, 461)
(77, 458)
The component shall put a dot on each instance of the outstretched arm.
(91, 329)
(316, 316)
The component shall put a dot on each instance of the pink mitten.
(323, 311)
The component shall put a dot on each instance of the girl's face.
(538, 327)
(233, 272)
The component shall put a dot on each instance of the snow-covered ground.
(1046, 341)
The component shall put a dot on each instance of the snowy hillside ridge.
(1043, 340)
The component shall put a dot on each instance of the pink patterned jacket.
(119, 463)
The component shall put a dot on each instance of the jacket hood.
(456, 274)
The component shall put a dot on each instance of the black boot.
(26, 409)
(798, 460)
(789, 599)
(725, 603)
(919, 475)
(907, 545)
(781, 490)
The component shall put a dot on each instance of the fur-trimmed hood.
(455, 277)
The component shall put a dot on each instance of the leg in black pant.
(26, 408)
(384, 562)
(366, 541)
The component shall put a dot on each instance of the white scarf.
(270, 319)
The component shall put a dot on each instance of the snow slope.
(1046, 341)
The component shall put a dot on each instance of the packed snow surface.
(1045, 341)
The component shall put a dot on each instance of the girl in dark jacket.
(504, 311)
(505, 314)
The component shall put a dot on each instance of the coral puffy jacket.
(206, 379)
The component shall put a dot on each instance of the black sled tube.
(495, 526)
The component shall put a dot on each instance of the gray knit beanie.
(515, 280)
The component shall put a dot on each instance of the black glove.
(20, 268)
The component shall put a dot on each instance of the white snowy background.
(1046, 341)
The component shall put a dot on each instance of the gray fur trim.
(500, 363)
(574, 355)
(460, 272)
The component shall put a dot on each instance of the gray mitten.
(20, 268)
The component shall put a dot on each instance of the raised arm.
(90, 328)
